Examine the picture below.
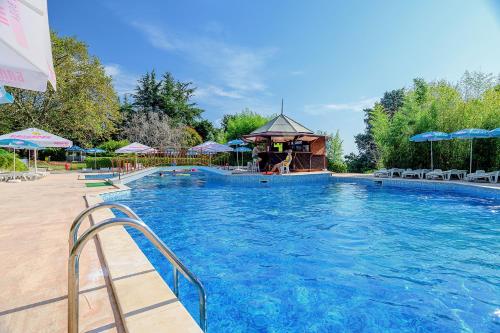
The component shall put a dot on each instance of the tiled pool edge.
(482, 190)
(144, 300)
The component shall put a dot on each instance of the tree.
(334, 153)
(167, 96)
(243, 123)
(392, 101)
(177, 101)
(206, 129)
(154, 129)
(85, 107)
(147, 93)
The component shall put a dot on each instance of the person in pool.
(285, 162)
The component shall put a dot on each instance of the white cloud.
(123, 81)
(234, 68)
(355, 106)
(212, 90)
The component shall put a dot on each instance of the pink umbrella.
(40, 137)
(135, 148)
(25, 46)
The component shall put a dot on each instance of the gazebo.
(283, 133)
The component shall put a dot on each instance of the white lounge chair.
(381, 173)
(411, 173)
(454, 172)
(479, 174)
(493, 176)
(435, 174)
(394, 171)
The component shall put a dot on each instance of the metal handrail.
(73, 230)
(74, 266)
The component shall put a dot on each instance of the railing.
(78, 243)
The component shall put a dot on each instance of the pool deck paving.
(34, 223)
(120, 291)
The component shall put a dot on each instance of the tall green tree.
(85, 107)
(147, 96)
(169, 97)
(243, 123)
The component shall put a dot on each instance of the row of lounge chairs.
(492, 177)
(22, 176)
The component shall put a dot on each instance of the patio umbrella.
(95, 151)
(241, 150)
(75, 149)
(17, 144)
(40, 137)
(430, 136)
(135, 148)
(25, 45)
(237, 142)
(471, 134)
(495, 133)
(5, 97)
(210, 148)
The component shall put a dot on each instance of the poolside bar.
(283, 133)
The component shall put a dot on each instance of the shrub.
(7, 159)
(337, 166)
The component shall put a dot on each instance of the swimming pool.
(333, 257)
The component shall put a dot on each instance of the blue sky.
(327, 59)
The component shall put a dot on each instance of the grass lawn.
(60, 165)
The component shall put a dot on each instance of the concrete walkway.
(33, 259)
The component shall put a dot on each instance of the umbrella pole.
(95, 160)
(29, 159)
(36, 157)
(14, 162)
(432, 159)
(470, 163)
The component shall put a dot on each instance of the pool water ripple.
(327, 257)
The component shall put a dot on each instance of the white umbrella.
(26, 60)
(135, 148)
(40, 137)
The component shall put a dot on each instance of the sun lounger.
(479, 174)
(381, 173)
(493, 176)
(409, 173)
(454, 172)
(435, 174)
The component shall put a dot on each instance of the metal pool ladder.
(76, 244)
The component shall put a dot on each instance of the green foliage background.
(432, 106)
(7, 161)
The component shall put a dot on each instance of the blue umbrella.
(5, 97)
(471, 133)
(235, 142)
(17, 144)
(95, 151)
(242, 149)
(430, 136)
(495, 133)
(75, 149)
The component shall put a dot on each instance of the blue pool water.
(333, 257)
